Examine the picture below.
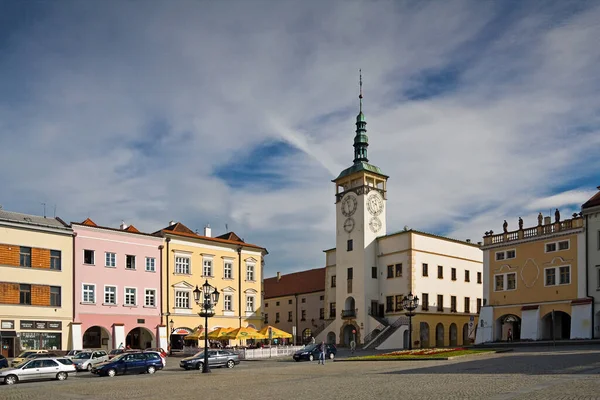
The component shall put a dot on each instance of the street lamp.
(207, 299)
(410, 304)
(171, 325)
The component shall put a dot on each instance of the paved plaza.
(534, 373)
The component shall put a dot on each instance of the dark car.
(311, 352)
(216, 358)
(129, 363)
(3, 362)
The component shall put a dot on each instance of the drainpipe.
(239, 250)
(168, 240)
(297, 327)
(587, 252)
(74, 274)
(161, 247)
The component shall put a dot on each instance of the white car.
(87, 359)
(40, 368)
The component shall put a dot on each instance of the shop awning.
(8, 333)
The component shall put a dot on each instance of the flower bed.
(422, 352)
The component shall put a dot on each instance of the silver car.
(87, 359)
(38, 369)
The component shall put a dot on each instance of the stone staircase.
(385, 333)
(321, 328)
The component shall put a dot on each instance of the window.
(333, 281)
(390, 271)
(500, 255)
(110, 260)
(425, 270)
(182, 299)
(150, 298)
(350, 273)
(276, 317)
(250, 272)
(182, 265)
(506, 281)
(453, 303)
(55, 260)
(277, 303)
(479, 277)
(303, 300)
(511, 254)
(506, 254)
(24, 294)
(399, 302)
(440, 301)
(425, 301)
(398, 270)
(478, 306)
(563, 273)
(25, 256)
(88, 294)
(467, 304)
(206, 267)
(150, 264)
(562, 245)
(55, 299)
(374, 272)
(550, 247)
(266, 305)
(597, 276)
(249, 303)
(453, 274)
(467, 276)
(440, 272)
(389, 303)
(321, 313)
(228, 270)
(303, 315)
(130, 294)
(321, 298)
(331, 310)
(266, 318)
(129, 262)
(349, 245)
(550, 276)
(88, 257)
(227, 302)
(290, 301)
(289, 316)
(110, 295)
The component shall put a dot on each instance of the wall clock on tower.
(349, 205)
(375, 224)
(349, 224)
(375, 204)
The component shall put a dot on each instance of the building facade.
(591, 215)
(535, 282)
(36, 269)
(368, 273)
(295, 302)
(228, 263)
(118, 289)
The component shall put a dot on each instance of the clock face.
(349, 205)
(375, 203)
(375, 224)
(349, 225)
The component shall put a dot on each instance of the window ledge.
(88, 303)
(130, 269)
(251, 281)
(129, 306)
(208, 276)
(149, 306)
(110, 266)
(228, 279)
(181, 274)
(148, 270)
(110, 304)
(90, 265)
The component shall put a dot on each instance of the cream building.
(591, 215)
(36, 283)
(369, 272)
(228, 263)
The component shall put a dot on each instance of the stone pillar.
(118, 335)
(161, 334)
(76, 336)
(530, 324)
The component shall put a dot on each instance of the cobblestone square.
(535, 373)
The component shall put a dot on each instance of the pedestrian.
(510, 337)
(322, 353)
(352, 346)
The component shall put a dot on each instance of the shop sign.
(6, 324)
(41, 325)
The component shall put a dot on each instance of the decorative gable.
(183, 285)
(228, 289)
(251, 260)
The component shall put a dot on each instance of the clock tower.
(360, 199)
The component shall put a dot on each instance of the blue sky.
(241, 113)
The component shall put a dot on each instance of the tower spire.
(360, 96)
(361, 140)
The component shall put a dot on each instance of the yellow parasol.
(196, 335)
(243, 333)
(219, 333)
(276, 333)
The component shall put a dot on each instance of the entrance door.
(7, 347)
(381, 311)
(374, 307)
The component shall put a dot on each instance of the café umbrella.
(243, 334)
(219, 333)
(275, 333)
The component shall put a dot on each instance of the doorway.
(8, 347)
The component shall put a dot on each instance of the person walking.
(510, 338)
(322, 353)
(352, 346)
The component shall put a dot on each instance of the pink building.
(117, 288)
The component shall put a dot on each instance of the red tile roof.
(309, 281)
(129, 229)
(88, 222)
(593, 202)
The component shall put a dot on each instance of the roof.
(33, 220)
(180, 229)
(129, 229)
(431, 235)
(593, 201)
(301, 282)
(360, 166)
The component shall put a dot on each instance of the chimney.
(172, 223)
(278, 276)
(123, 225)
(547, 221)
(479, 243)
(468, 240)
(207, 230)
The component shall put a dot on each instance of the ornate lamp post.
(207, 299)
(410, 304)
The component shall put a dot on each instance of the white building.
(591, 215)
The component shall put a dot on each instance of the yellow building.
(36, 283)
(228, 263)
(535, 282)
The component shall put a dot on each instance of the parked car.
(163, 359)
(311, 352)
(72, 353)
(115, 352)
(3, 362)
(21, 357)
(129, 363)
(159, 349)
(87, 359)
(216, 358)
(38, 369)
